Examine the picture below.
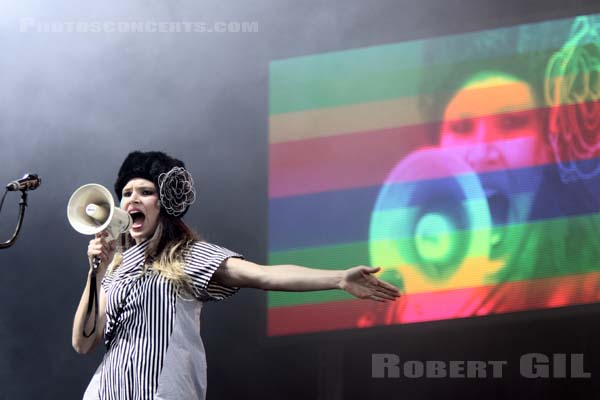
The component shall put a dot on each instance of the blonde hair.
(165, 251)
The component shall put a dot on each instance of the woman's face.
(140, 199)
(493, 123)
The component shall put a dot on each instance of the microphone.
(27, 182)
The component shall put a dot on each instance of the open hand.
(361, 282)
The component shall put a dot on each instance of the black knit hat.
(148, 165)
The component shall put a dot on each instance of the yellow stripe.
(345, 119)
(399, 112)
(403, 111)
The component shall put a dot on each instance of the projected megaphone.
(91, 210)
(431, 224)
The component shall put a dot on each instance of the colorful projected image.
(465, 166)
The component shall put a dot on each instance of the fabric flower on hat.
(176, 191)
(572, 90)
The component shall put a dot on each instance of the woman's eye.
(513, 121)
(148, 192)
(126, 194)
(461, 127)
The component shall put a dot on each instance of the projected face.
(493, 124)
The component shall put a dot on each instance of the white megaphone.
(432, 223)
(91, 210)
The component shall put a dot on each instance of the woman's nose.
(134, 198)
(482, 155)
(484, 151)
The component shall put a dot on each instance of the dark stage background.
(72, 105)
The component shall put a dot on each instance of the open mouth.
(138, 219)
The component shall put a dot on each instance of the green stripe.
(329, 257)
(562, 246)
(391, 71)
(336, 79)
(355, 84)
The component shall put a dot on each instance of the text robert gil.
(531, 365)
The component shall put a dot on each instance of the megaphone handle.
(92, 299)
(95, 264)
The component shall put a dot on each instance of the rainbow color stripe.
(355, 177)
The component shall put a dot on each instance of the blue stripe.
(330, 218)
(320, 219)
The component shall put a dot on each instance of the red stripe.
(340, 161)
(363, 159)
(461, 303)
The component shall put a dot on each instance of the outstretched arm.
(359, 281)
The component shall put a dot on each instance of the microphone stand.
(22, 205)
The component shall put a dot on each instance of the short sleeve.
(201, 262)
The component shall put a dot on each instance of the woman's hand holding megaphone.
(103, 249)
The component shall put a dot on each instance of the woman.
(489, 112)
(544, 231)
(153, 285)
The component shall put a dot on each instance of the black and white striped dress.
(152, 335)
